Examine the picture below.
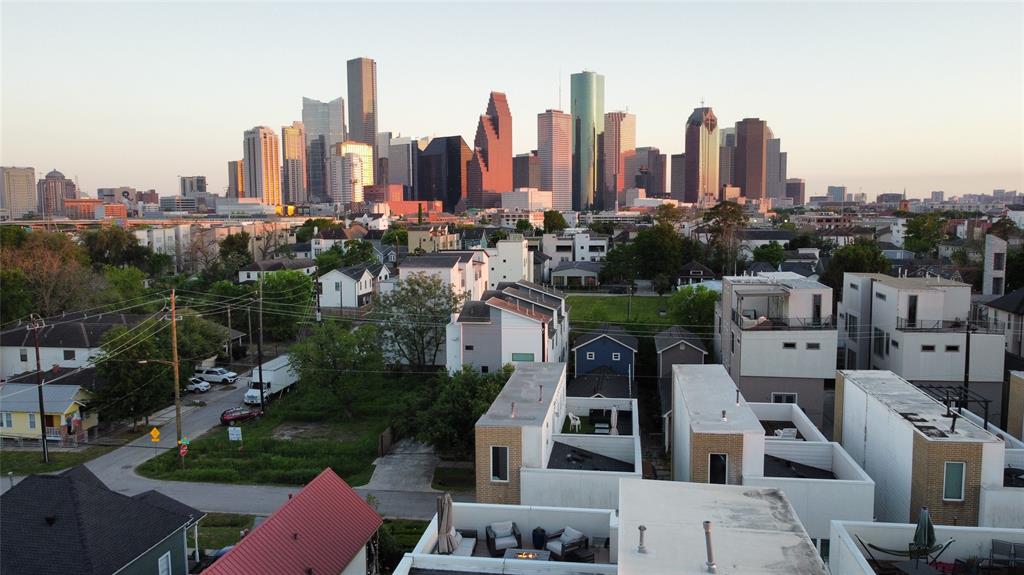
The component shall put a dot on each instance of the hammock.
(911, 552)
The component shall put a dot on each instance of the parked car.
(216, 375)
(237, 415)
(197, 385)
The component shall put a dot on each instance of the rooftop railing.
(783, 323)
(974, 326)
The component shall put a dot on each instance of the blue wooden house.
(610, 347)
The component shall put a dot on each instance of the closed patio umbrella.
(924, 535)
(445, 524)
(614, 422)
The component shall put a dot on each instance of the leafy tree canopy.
(771, 252)
(458, 401)
(693, 307)
(336, 359)
(863, 255)
(554, 222)
(287, 300)
(924, 233)
(414, 316)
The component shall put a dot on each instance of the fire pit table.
(527, 554)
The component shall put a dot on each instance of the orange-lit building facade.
(490, 169)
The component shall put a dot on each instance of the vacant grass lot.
(454, 479)
(218, 530)
(348, 445)
(588, 312)
(29, 462)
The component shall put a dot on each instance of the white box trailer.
(278, 378)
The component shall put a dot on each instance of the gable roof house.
(253, 271)
(353, 286)
(1008, 311)
(677, 345)
(324, 529)
(72, 523)
(610, 347)
(68, 342)
(66, 417)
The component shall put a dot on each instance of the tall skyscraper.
(491, 167)
(18, 191)
(619, 145)
(555, 156)
(325, 128)
(402, 156)
(441, 172)
(52, 191)
(345, 178)
(261, 165)
(726, 156)
(365, 151)
(587, 93)
(383, 149)
(795, 190)
(526, 170)
(702, 157)
(836, 193)
(750, 160)
(939, 196)
(678, 183)
(362, 102)
(293, 164)
(188, 187)
(775, 169)
(236, 179)
(646, 169)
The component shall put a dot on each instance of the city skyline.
(871, 107)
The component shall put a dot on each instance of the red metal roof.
(318, 531)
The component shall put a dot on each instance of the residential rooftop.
(705, 391)
(913, 283)
(925, 414)
(752, 530)
(531, 389)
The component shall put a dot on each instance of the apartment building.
(510, 261)
(575, 247)
(1007, 312)
(352, 287)
(517, 321)
(921, 453)
(465, 271)
(432, 238)
(719, 437)
(775, 335)
(530, 450)
(918, 328)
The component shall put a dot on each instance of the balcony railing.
(783, 323)
(976, 326)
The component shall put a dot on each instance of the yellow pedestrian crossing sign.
(154, 435)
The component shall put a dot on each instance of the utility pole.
(36, 326)
(259, 348)
(967, 362)
(177, 385)
(231, 355)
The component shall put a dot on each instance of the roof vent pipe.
(712, 566)
(952, 427)
(641, 548)
(513, 409)
(724, 418)
(540, 396)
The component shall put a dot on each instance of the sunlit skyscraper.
(293, 164)
(325, 127)
(775, 169)
(702, 157)
(619, 145)
(261, 165)
(362, 102)
(587, 93)
(236, 179)
(52, 191)
(554, 153)
(362, 150)
(490, 170)
(18, 191)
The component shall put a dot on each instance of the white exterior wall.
(357, 566)
(762, 353)
(48, 357)
(520, 335)
(449, 276)
(680, 437)
(510, 261)
(571, 488)
(910, 362)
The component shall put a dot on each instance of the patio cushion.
(465, 548)
(456, 539)
(554, 546)
(569, 535)
(505, 542)
(501, 529)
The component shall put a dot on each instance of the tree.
(304, 233)
(15, 296)
(330, 259)
(524, 226)
(1014, 270)
(621, 265)
(554, 222)
(132, 390)
(56, 272)
(354, 253)
(924, 233)
(336, 358)
(660, 250)
(236, 247)
(114, 246)
(771, 252)
(12, 237)
(395, 236)
(123, 284)
(198, 339)
(662, 283)
(413, 318)
(228, 293)
(496, 236)
(457, 401)
(1004, 228)
(693, 307)
(668, 214)
(725, 221)
(606, 228)
(863, 255)
(287, 299)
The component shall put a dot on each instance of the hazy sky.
(874, 96)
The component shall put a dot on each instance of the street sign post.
(235, 434)
(154, 435)
(183, 449)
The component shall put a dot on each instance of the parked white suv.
(216, 375)
(197, 385)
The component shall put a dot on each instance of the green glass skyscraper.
(587, 91)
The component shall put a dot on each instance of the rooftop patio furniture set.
(505, 540)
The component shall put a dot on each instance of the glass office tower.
(587, 92)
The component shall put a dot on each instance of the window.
(854, 286)
(953, 348)
(69, 354)
(337, 286)
(718, 467)
(895, 343)
(879, 295)
(31, 421)
(927, 348)
(5, 419)
(953, 481)
(164, 564)
(499, 463)
(851, 325)
(616, 356)
(813, 346)
(484, 369)
(998, 261)
(789, 345)
(469, 348)
(23, 354)
(879, 342)
(783, 397)
(590, 355)
(522, 357)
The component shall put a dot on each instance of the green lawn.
(454, 479)
(218, 530)
(407, 532)
(589, 312)
(321, 436)
(28, 462)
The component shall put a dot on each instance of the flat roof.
(912, 283)
(706, 390)
(532, 388)
(753, 531)
(925, 414)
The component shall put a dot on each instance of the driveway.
(409, 467)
